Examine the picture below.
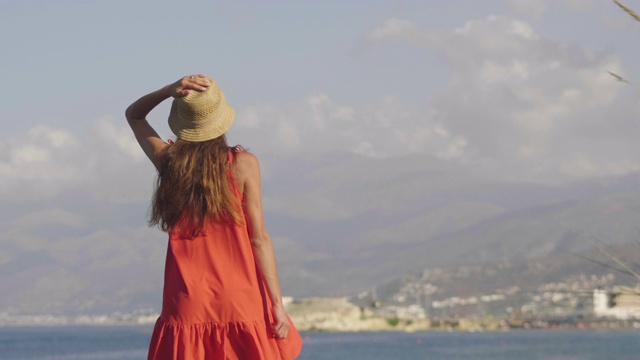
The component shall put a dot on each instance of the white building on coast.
(622, 304)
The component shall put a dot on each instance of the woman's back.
(212, 277)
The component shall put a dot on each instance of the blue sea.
(125, 343)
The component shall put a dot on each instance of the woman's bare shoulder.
(247, 161)
(247, 168)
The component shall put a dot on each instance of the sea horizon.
(131, 342)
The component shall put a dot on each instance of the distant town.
(583, 302)
(580, 302)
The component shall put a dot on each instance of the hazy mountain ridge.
(340, 223)
(524, 233)
(512, 220)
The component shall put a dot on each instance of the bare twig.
(602, 249)
(615, 259)
(621, 79)
(604, 265)
(627, 10)
(631, 263)
(618, 77)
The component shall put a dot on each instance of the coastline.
(337, 315)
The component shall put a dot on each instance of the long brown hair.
(192, 187)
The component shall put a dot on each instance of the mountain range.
(340, 223)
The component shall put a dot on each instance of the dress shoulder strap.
(230, 173)
(232, 151)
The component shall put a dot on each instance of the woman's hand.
(281, 326)
(182, 87)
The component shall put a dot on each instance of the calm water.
(124, 343)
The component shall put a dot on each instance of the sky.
(519, 87)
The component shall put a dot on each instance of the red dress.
(214, 301)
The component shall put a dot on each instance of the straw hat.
(201, 115)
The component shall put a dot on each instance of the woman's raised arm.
(137, 112)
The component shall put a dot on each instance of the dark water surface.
(125, 343)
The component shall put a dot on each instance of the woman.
(221, 296)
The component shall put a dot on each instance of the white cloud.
(317, 124)
(27, 154)
(120, 136)
(45, 161)
(514, 98)
(494, 73)
(287, 134)
(522, 101)
(454, 150)
(31, 165)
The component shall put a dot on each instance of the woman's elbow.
(260, 241)
(130, 113)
